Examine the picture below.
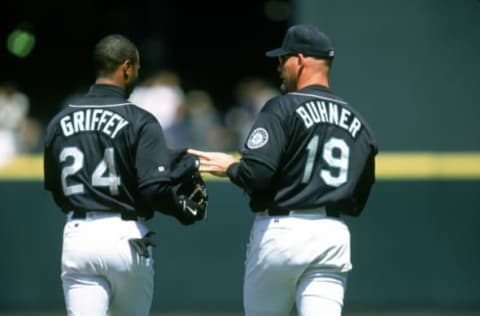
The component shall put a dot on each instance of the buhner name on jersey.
(315, 112)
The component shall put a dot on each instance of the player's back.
(91, 151)
(325, 152)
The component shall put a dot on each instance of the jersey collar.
(315, 87)
(106, 90)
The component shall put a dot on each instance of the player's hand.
(215, 163)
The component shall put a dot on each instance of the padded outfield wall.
(411, 67)
(415, 246)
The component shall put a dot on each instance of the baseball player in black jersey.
(308, 161)
(108, 168)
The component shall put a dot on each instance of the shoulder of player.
(278, 104)
(293, 99)
(317, 92)
(142, 114)
(323, 94)
(282, 106)
(65, 110)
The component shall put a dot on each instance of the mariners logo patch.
(258, 138)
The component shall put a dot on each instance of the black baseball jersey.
(101, 150)
(308, 149)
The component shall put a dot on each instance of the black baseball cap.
(304, 39)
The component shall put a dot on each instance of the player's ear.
(300, 59)
(126, 68)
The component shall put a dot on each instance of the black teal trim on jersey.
(98, 106)
(318, 97)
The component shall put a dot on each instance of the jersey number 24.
(99, 179)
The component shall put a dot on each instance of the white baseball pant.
(300, 259)
(101, 274)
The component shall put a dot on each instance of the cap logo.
(258, 138)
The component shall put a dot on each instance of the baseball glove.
(191, 190)
(193, 199)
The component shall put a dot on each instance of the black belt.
(330, 213)
(126, 216)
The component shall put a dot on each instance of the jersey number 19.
(339, 162)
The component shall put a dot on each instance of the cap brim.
(277, 52)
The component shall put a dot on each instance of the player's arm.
(154, 163)
(260, 157)
(250, 174)
(162, 197)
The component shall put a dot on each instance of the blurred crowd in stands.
(188, 118)
(19, 133)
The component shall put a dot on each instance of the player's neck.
(321, 80)
(108, 81)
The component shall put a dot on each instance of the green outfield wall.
(415, 245)
(411, 67)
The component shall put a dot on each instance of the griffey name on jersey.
(107, 122)
(315, 112)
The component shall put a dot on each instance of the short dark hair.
(111, 51)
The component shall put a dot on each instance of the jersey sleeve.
(267, 139)
(153, 157)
